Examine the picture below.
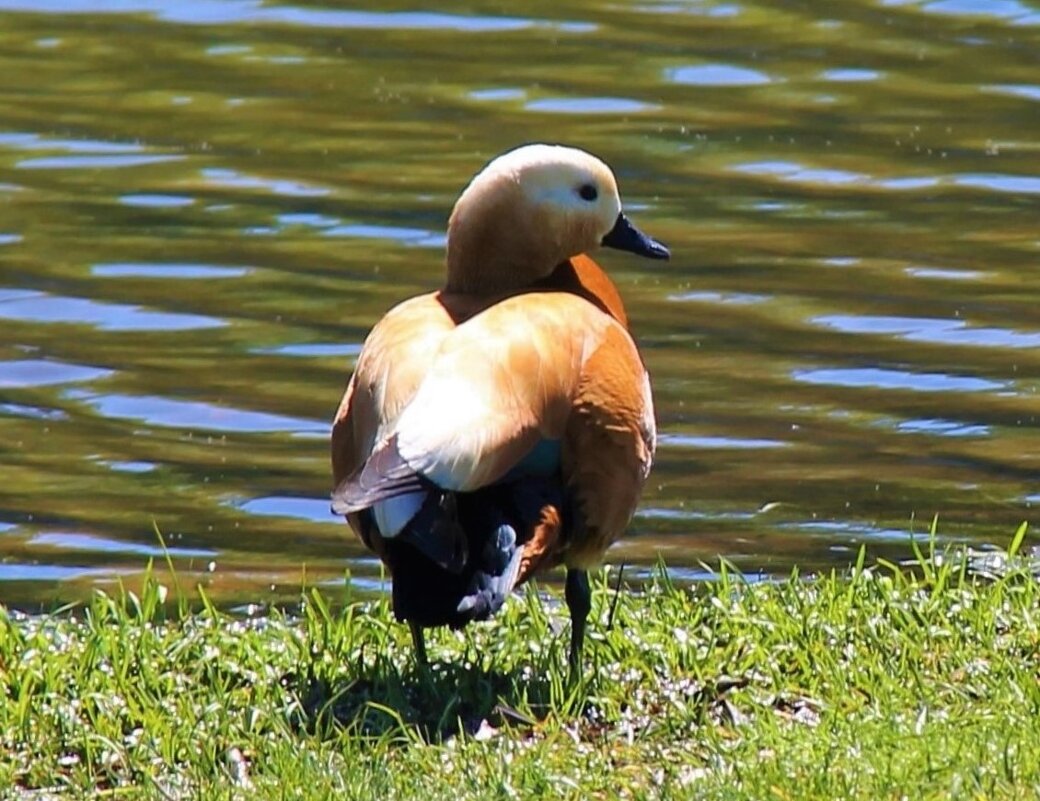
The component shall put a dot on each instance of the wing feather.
(500, 383)
(384, 475)
(393, 362)
(433, 404)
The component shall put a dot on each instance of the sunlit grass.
(878, 683)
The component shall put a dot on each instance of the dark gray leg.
(579, 601)
(420, 643)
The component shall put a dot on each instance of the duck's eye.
(588, 192)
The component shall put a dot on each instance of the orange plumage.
(504, 424)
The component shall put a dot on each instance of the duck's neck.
(492, 280)
(491, 248)
(579, 275)
(475, 268)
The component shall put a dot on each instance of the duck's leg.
(419, 642)
(579, 601)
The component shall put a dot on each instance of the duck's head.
(530, 210)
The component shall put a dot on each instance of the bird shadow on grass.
(428, 704)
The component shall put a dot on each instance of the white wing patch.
(442, 431)
(496, 382)
(393, 514)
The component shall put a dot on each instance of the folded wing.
(451, 408)
(494, 388)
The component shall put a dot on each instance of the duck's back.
(405, 344)
(393, 362)
(531, 411)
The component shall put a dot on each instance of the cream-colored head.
(528, 211)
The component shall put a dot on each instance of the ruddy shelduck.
(504, 424)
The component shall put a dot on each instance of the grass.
(879, 683)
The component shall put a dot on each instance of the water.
(207, 204)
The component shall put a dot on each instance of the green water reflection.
(206, 205)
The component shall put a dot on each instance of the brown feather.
(608, 447)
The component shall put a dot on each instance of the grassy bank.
(877, 684)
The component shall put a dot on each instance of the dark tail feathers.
(485, 532)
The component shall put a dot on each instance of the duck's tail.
(459, 558)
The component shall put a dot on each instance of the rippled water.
(206, 204)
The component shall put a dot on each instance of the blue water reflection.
(854, 532)
(505, 93)
(232, 179)
(943, 428)
(314, 510)
(315, 350)
(198, 415)
(40, 307)
(34, 571)
(156, 201)
(44, 372)
(794, 172)
(728, 298)
(191, 271)
(717, 75)
(90, 543)
(224, 12)
(933, 330)
(883, 378)
(32, 412)
(131, 467)
(995, 182)
(1024, 90)
(308, 219)
(944, 273)
(416, 237)
(93, 162)
(19, 140)
(1010, 10)
(589, 105)
(849, 75)
(693, 441)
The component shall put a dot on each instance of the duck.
(502, 425)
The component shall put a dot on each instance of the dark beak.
(625, 236)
